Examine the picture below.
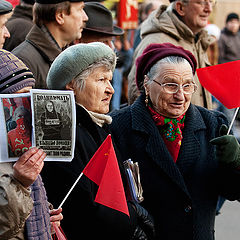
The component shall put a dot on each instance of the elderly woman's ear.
(69, 86)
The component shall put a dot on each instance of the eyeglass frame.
(203, 3)
(179, 86)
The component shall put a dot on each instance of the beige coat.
(15, 204)
(164, 26)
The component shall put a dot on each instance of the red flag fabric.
(58, 233)
(223, 82)
(104, 171)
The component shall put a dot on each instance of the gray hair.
(172, 6)
(154, 71)
(79, 80)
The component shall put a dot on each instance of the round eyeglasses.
(171, 88)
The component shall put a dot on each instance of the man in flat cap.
(5, 14)
(56, 24)
(182, 24)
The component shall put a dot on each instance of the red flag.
(223, 82)
(104, 171)
(58, 232)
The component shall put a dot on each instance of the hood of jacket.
(164, 20)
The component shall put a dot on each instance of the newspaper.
(41, 118)
(54, 119)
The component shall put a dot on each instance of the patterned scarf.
(171, 131)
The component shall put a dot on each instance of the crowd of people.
(188, 164)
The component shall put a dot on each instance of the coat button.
(188, 209)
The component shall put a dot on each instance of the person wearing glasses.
(181, 23)
(185, 163)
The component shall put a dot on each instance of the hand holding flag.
(104, 171)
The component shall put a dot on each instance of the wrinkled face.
(4, 33)
(49, 106)
(74, 23)
(170, 105)
(233, 25)
(97, 92)
(195, 15)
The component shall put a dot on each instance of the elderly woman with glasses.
(182, 172)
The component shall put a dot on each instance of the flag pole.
(70, 190)
(231, 124)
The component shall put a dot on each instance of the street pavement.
(227, 226)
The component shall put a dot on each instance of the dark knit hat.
(231, 16)
(155, 52)
(100, 20)
(5, 7)
(14, 74)
(56, 1)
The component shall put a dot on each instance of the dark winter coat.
(229, 46)
(181, 197)
(18, 26)
(37, 52)
(84, 218)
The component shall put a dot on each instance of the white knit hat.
(74, 60)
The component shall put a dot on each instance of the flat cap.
(5, 7)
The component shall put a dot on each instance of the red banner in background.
(128, 14)
(14, 2)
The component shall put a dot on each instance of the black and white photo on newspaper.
(53, 118)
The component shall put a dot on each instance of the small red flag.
(58, 232)
(223, 82)
(104, 171)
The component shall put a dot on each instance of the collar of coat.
(155, 146)
(165, 20)
(39, 39)
(141, 118)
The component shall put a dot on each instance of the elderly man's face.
(170, 105)
(98, 91)
(4, 33)
(195, 14)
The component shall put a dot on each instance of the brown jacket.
(15, 205)
(38, 52)
(164, 26)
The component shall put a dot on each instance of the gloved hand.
(227, 146)
(139, 234)
(146, 229)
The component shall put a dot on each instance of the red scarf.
(171, 131)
